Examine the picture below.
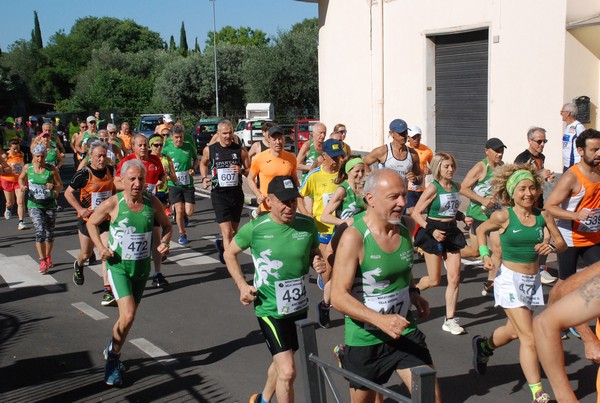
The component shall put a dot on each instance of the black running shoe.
(78, 278)
(158, 280)
(480, 357)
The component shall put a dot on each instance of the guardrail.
(317, 373)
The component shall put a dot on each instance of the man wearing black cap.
(283, 244)
(270, 163)
(222, 167)
(477, 186)
(397, 155)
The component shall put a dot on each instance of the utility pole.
(215, 54)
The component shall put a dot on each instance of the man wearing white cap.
(415, 190)
(166, 124)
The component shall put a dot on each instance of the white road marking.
(152, 350)
(97, 268)
(23, 271)
(89, 311)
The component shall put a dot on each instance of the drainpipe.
(382, 72)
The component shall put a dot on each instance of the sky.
(160, 16)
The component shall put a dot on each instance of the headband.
(352, 163)
(515, 178)
(40, 149)
(154, 139)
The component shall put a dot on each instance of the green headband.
(352, 163)
(515, 178)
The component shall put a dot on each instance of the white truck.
(249, 129)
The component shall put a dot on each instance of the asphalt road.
(194, 341)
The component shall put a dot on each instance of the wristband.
(484, 251)
(167, 244)
(552, 247)
(414, 289)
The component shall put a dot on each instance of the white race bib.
(183, 177)
(392, 303)
(151, 188)
(291, 295)
(449, 203)
(592, 224)
(136, 246)
(40, 192)
(528, 288)
(99, 197)
(227, 178)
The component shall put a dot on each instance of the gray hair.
(102, 131)
(319, 124)
(532, 130)
(111, 126)
(96, 144)
(137, 136)
(224, 122)
(178, 129)
(375, 177)
(571, 108)
(133, 163)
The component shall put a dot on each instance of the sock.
(262, 399)
(111, 352)
(488, 345)
(535, 388)
(325, 305)
(107, 288)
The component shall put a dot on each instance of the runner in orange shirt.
(425, 155)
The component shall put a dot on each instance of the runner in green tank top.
(477, 187)
(517, 287)
(374, 288)
(133, 215)
(309, 156)
(284, 244)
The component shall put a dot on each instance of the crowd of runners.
(359, 222)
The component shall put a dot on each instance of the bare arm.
(474, 175)
(497, 220)
(566, 185)
(425, 201)
(165, 224)
(101, 213)
(247, 292)
(377, 155)
(75, 203)
(302, 156)
(337, 199)
(204, 168)
(414, 175)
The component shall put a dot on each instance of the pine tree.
(172, 44)
(37, 32)
(183, 45)
(196, 46)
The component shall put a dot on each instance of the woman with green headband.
(517, 286)
(347, 200)
(439, 236)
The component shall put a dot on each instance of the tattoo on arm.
(590, 290)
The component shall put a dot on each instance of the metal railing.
(317, 374)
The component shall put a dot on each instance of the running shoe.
(108, 298)
(546, 277)
(21, 226)
(564, 335)
(43, 266)
(219, 246)
(158, 280)
(471, 262)
(112, 372)
(320, 282)
(59, 208)
(255, 398)
(78, 277)
(7, 214)
(324, 320)
(338, 353)
(49, 261)
(168, 212)
(480, 356)
(254, 214)
(452, 326)
(92, 260)
(541, 397)
(183, 239)
(488, 288)
(575, 332)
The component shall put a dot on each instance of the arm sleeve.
(243, 238)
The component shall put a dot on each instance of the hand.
(543, 249)
(393, 325)
(489, 202)
(236, 169)
(488, 264)
(85, 213)
(191, 172)
(159, 184)
(439, 235)
(206, 182)
(583, 214)
(318, 264)
(247, 294)
(411, 176)
(163, 248)
(592, 351)
(106, 253)
(260, 199)
(421, 304)
(469, 221)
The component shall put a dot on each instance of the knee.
(286, 374)
(127, 319)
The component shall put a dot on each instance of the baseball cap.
(333, 148)
(284, 188)
(398, 126)
(90, 119)
(167, 118)
(275, 130)
(414, 130)
(494, 143)
(33, 119)
(9, 120)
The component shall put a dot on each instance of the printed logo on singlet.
(371, 285)
(265, 267)
(118, 231)
(375, 257)
(299, 235)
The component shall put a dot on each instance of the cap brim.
(287, 194)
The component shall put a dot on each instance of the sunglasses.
(157, 145)
(540, 142)
(112, 132)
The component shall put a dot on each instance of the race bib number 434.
(291, 295)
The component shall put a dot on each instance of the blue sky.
(160, 16)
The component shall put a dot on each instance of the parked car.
(303, 130)
(148, 123)
(205, 129)
(249, 130)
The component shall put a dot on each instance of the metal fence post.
(423, 384)
(313, 379)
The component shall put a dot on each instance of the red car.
(303, 128)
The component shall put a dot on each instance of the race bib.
(449, 203)
(99, 197)
(136, 246)
(151, 188)
(17, 167)
(39, 192)
(183, 177)
(392, 303)
(227, 178)
(326, 198)
(291, 295)
(528, 288)
(592, 224)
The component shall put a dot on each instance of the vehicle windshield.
(210, 128)
(148, 125)
(257, 125)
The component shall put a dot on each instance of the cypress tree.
(183, 45)
(172, 44)
(37, 32)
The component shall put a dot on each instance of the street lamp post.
(215, 54)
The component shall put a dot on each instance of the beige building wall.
(376, 64)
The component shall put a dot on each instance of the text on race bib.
(183, 177)
(151, 188)
(39, 192)
(291, 295)
(449, 203)
(592, 223)
(136, 246)
(99, 197)
(388, 304)
(226, 177)
(529, 289)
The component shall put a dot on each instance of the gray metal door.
(461, 96)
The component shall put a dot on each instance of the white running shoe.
(547, 278)
(452, 326)
(469, 262)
